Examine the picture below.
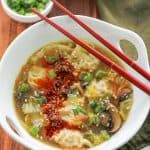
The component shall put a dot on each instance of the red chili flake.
(56, 93)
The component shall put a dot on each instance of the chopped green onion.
(41, 100)
(104, 135)
(40, 6)
(86, 77)
(78, 110)
(34, 131)
(97, 109)
(52, 74)
(24, 87)
(45, 1)
(21, 11)
(94, 119)
(23, 6)
(52, 59)
(100, 74)
(101, 107)
(93, 104)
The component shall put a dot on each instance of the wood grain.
(9, 29)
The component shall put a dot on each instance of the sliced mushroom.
(111, 119)
(124, 94)
(106, 120)
(115, 101)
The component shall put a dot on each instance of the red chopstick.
(97, 54)
(124, 57)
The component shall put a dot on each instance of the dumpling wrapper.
(70, 138)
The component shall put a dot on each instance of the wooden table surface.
(9, 29)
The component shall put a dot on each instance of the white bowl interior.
(41, 34)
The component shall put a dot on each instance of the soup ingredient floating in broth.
(22, 7)
(66, 97)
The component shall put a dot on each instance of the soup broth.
(66, 97)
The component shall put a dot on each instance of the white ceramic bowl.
(22, 18)
(39, 35)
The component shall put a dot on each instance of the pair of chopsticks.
(124, 57)
(96, 53)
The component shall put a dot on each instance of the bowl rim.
(137, 127)
(7, 8)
